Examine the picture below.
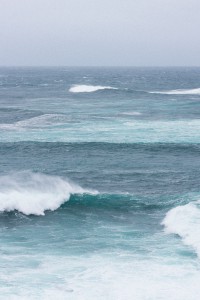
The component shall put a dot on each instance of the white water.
(44, 120)
(179, 92)
(132, 113)
(33, 193)
(89, 88)
(118, 130)
(99, 277)
(185, 221)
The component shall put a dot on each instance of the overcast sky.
(100, 32)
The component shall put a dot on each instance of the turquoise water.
(99, 183)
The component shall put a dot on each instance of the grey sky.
(100, 32)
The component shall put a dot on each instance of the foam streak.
(179, 92)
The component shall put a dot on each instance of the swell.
(124, 202)
(180, 148)
(34, 193)
(117, 131)
(38, 121)
(10, 116)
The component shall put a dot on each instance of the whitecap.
(132, 113)
(185, 222)
(43, 84)
(179, 92)
(89, 88)
(43, 120)
(38, 121)
(34, 193)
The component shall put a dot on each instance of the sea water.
(99, 183)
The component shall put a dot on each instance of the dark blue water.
(99, 183)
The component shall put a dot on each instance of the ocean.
(99, 183)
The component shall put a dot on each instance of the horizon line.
(97, 66)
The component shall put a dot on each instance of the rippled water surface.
(99, 183)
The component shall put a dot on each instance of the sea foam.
(132, 113)
(185, 221)
(89, 88)
(33, 193)
(179, 92)
(44, 120)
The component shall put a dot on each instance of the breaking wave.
(185, 221)
(43, 120)
(38, 121)
(132, 113)
(179, 92)
(89, 88)
(33, 193)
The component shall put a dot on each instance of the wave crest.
(33, 193)
(89, 88)
(132, 113)
(44, 120)
(185, 221)
(179, 92)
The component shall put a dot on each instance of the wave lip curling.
(185, 222)
(34, 193)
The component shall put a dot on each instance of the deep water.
(99, 183)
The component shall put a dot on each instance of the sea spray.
(185, 221)
(33, 193)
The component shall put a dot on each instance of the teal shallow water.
(99, 183)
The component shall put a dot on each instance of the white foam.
(89, 88)
(99, 277)
(125, 130)
(43, 84)
(179, 92)
(185, 221)
(43, 120)
(33, 193)
(39, 121)
(132, 113)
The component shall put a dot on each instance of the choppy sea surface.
(99, 183)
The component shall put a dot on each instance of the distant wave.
(89, 88)
(33, 193)
(178, 92)
(43, 84)
(185, 221)
(43, 120)
(112, 129)
(38, 121)
(131, 113)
